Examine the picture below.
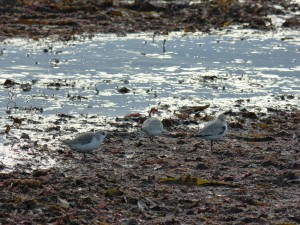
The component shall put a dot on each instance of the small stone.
(250, 115)
(180, 142)
(190, 212)
(201, 166)
(25, 136)
(253, 165)
(123, 90)
(234, 210)
(269, 149)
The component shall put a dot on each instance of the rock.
(250, 115)
(201, 166)
(234, 210)
(236, 125)
(123, 90)
(292, 23)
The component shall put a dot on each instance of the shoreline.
(121, 182)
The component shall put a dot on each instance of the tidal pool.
(101, 77)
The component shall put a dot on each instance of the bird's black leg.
(211, 145)
(84, 156)
(94, 156)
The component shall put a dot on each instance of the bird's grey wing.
(83, 138)
(212, 129)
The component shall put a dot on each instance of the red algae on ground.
(36, 19)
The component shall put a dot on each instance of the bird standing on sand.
(213, 130)
(87, 142)
(152, 126)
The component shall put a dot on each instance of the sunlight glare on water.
(84, 76)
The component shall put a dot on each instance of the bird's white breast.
(152, 127)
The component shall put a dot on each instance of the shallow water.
(82, 77)
(241, 65)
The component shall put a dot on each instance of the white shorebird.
(87, 142)
(213, 130)
(152, 126)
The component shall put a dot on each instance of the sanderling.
(213, 130)
(87, 142)
(152, 127)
